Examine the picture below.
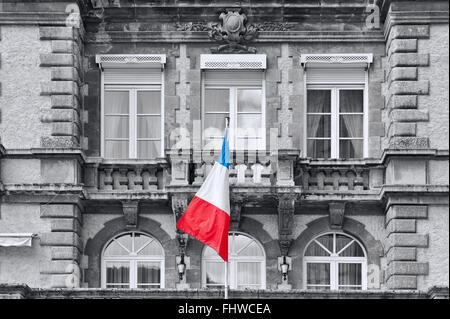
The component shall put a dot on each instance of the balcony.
(126, 179)
(253, 175)
(339, 178)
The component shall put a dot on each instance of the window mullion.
(133, 127)
(334, 123)
(133, 274)
(233, 117)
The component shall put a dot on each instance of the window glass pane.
(314, 249)
(116, 126)
(351, 101)
(126, 241)
(148, 273)
(251, 250)
(248, 274)
(148, 149)
(342, 241)
(350, 148)
(351, 126)
(349, 274)
(210, 252)
(149, 102)
(326, 241)
(217, 100)
(116, 149)
(318, 101)
(215, 273)
(215, 121)
(114, 249)
(249, 100)
(116, 102)
(319, 125)
(239, 241)
(117, 274)
(248, 124)
(318, 274)
(149, 126)
(152, 249)
(319, 148)
(354, 250)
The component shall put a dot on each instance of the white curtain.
(319, 101)
(116, 124)
(351, 102)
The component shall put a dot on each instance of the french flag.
(207, 216)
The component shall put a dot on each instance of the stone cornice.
(414, 18)
(24, 291)
(264, 36)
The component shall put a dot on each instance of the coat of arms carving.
(233, 33)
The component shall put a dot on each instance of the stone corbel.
(131, 213)
(179, 205)
(286, 209)
(336, 213)
(235, 215)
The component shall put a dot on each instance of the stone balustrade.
(129, 177)
(246, 168)
(329, 177)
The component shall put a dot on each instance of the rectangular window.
(238, 95)
(132, 109)
(335, 117)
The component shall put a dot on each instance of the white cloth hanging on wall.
(16, 239)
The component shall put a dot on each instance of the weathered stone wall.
(21, 78)
(436, 103)
(24, 264)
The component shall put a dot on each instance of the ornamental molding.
(131, 213)
(363, 60)
(130, 60)
(336, 214)
(233, 32)
(274, 26)
(286, 209)
(233, 61)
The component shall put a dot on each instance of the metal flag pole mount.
(227, 125)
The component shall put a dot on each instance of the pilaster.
(64, 87)
(402, 244)
(65, 243)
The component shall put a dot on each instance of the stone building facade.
(74, 180)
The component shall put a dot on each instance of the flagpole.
(226, 280)
(227, 125)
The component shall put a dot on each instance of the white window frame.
(133, 127)
(126, 61)
(132, 260)
(334, 116)
(233, 260)
(233, 111)
(334, 260)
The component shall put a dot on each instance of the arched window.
(246, 264)
(334, 261)
(133, 260)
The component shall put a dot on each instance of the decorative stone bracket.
(235, 214)
(179, 205)
(233, 33)
(131, 212)
(286, 208)
(336, 213)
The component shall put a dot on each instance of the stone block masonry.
(403, 86)
(65, 242)
(64, 86)
(402, 244)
